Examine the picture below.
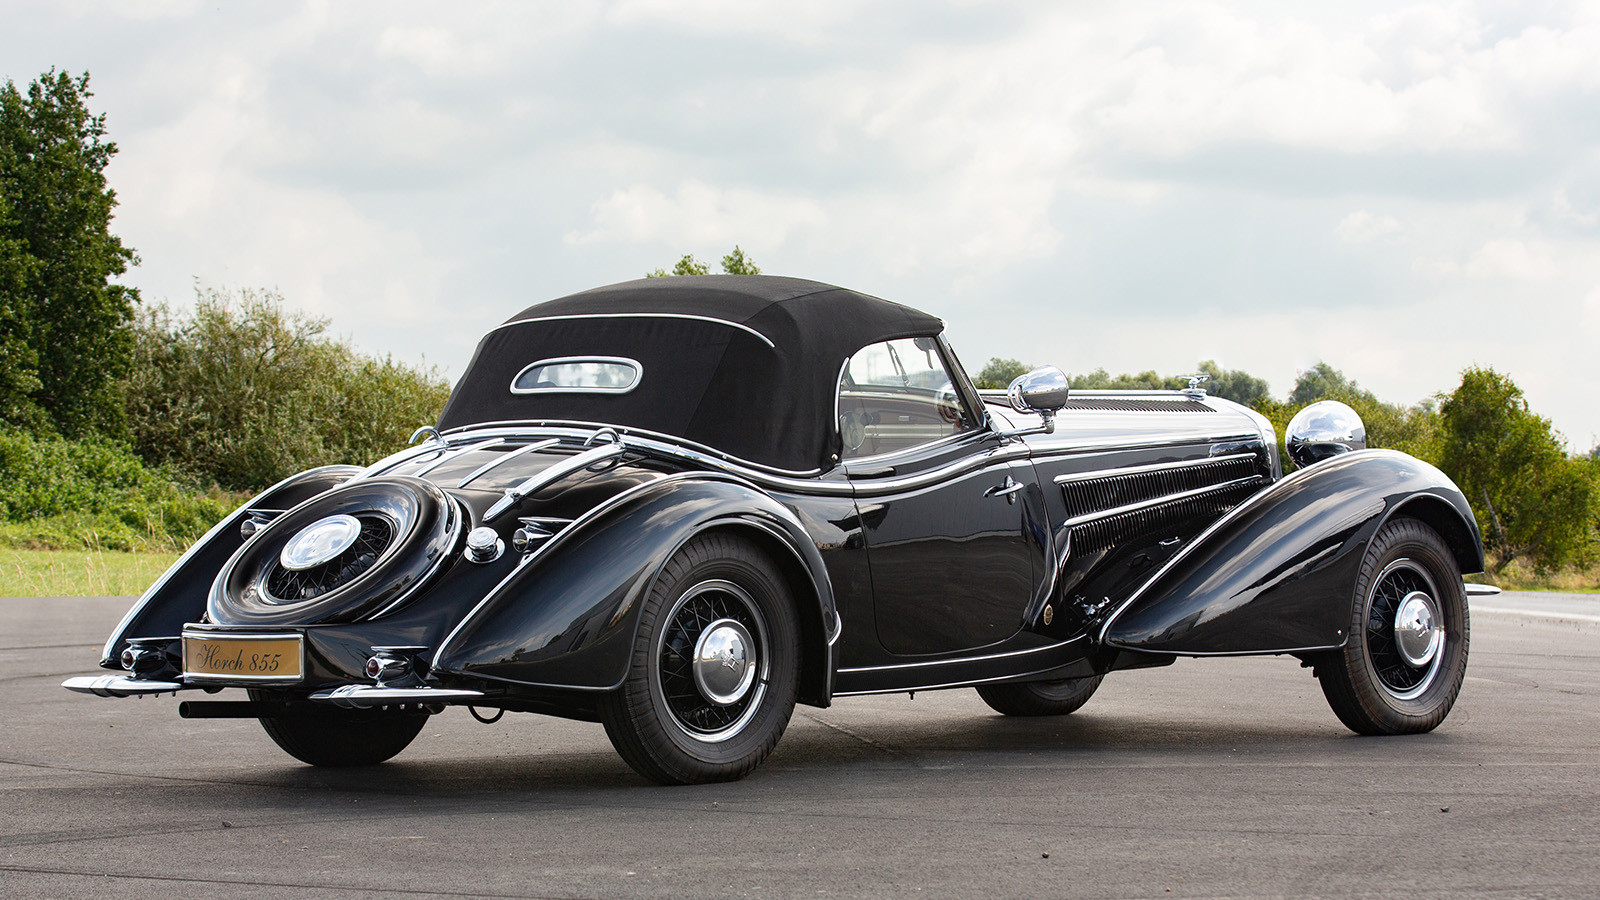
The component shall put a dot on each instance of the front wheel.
(714, 670)
(1040, 698)
(1402, 666)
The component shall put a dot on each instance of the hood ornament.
(1194, 391)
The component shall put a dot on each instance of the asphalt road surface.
(1209, 778)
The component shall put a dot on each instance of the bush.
(243, 393)
(64, 494)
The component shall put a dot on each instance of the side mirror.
(1043, 391)
(1323, 430)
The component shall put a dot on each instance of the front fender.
(1275, 574)
(567, 616)
(179, 595)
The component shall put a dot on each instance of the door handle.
(1007, 489)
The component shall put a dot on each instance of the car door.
(944, 506)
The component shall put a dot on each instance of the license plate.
(252, 658)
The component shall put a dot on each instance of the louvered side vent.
(1175, 516)
(1099, 512)
(1098, 494)
(1137, 405)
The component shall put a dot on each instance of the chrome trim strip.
(584, 430)
(367, 696)
(534, 447)
(558, 539)
(231, 520)
(638, 376)
(1086, 518)
(229, 679)
(964, 659)
(950, 684)
(1479, 590)
(447, 456)
(551, 475)
(865, 487)
(1152, 467)
(121, 686)
(739, 325)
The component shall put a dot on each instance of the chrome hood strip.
(1153, 467)
(1086, 518)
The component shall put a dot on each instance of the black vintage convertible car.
(679, 506)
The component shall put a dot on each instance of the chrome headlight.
(1323, 430)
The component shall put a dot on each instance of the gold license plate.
(264, 658)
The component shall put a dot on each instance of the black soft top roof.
(744, 364)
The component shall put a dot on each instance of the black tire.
(344, 737)
(676, 722)
(1040, 698)
(1387, 680)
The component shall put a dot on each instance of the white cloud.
(1362, 227)
(1508, 258)
(1145, 183)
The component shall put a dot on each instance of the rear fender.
(566, 618)
(179, 595)
(1275, 574)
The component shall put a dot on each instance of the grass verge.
(79, 573)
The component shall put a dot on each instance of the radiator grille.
(1137, 405)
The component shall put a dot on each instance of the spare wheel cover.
(351, 552)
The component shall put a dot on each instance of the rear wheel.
(1402, 666)
(714, 669)
(1040, 698)
(344, 737)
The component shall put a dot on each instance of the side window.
(898, 394)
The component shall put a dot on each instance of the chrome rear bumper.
(367, 696)
(121, 686)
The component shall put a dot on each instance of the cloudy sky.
(1400, 190)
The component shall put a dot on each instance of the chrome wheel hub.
(723, 665)
(320, 542)
(1417, 630)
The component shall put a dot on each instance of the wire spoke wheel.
(715, 666)
(1405, 659)
(711, 669)
(1404, 632)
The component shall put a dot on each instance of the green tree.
(1530, 499)
(64, 340)
(1232, 384)
(1324, 382)
(735, 263)
(244, 393)
(999, 373)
